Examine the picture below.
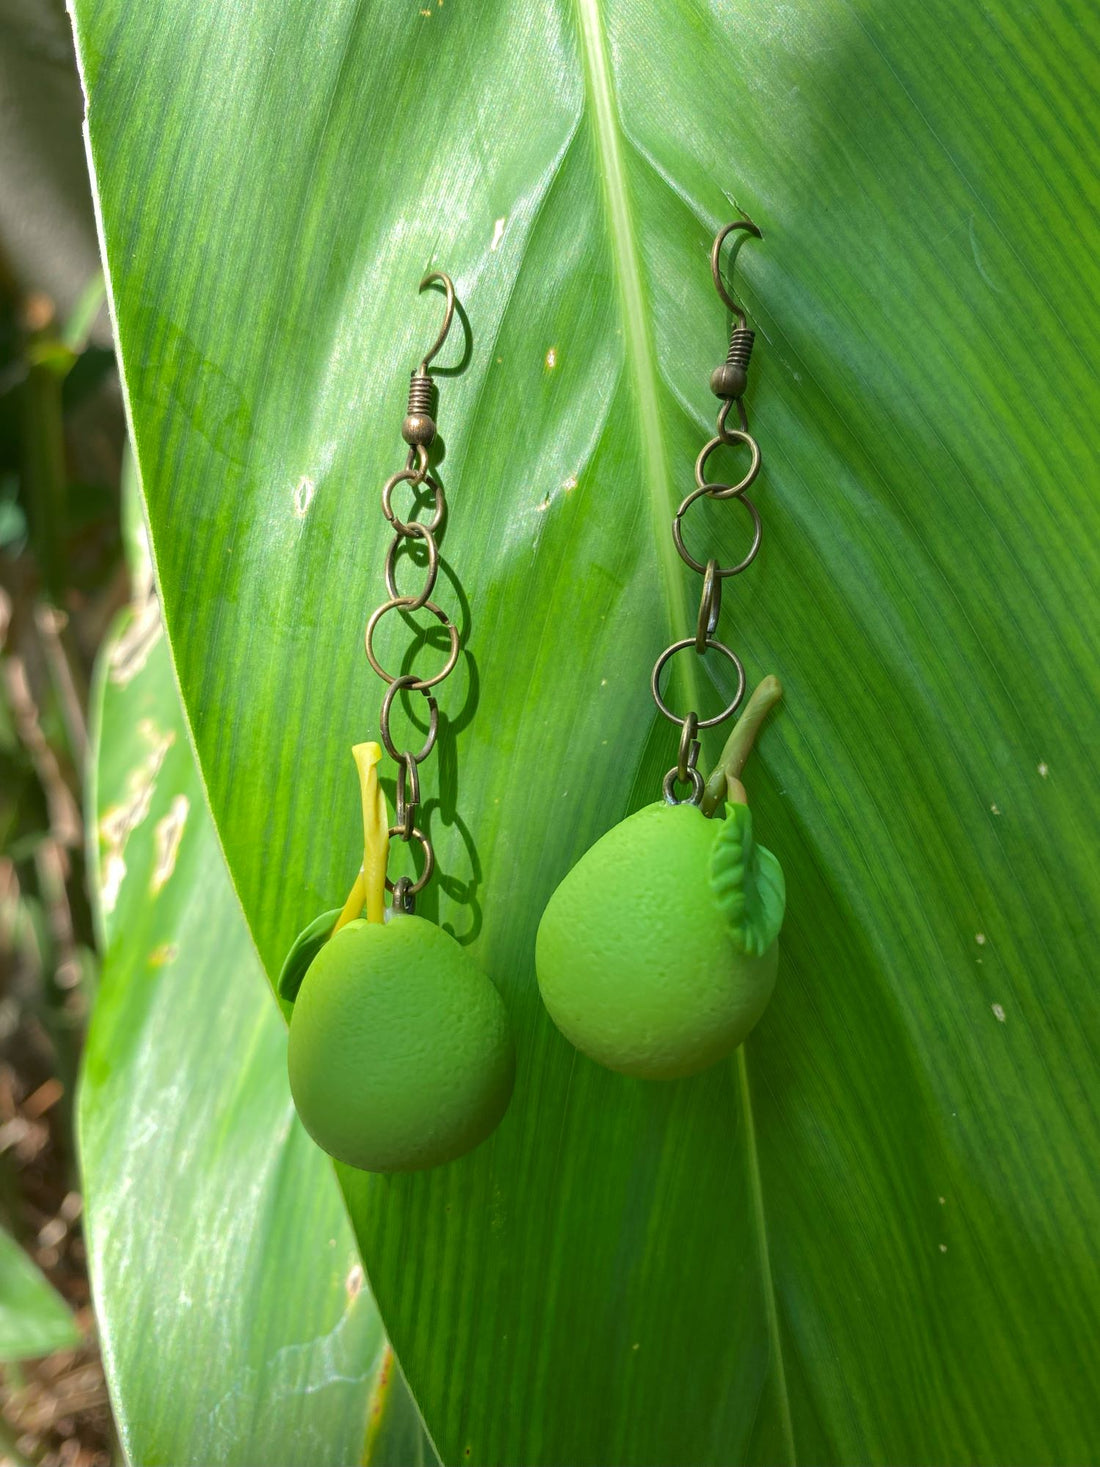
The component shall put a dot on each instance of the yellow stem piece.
(353, 907)
(370, 885)
(376, 823)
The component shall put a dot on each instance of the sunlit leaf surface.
(871, 1236)
(234, 1319)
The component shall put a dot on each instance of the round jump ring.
(429, 859)
(669, 652)
(721, 572)
(433, 563)
(410, 684)
(727, 491)
(404, 476)
(405, 603)
(668, 786)
(403, 899)
(710, 607)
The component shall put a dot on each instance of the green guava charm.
(400, 1053)
(657, 954)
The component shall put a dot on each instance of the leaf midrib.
(638, 346)
(641, 364)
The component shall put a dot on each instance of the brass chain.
(728, 383)
(418, 431)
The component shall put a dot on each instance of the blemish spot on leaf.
(354, 1281)
(303, 496)
(120, 821)
(168, 834)
(114, 872)
(942, 1201)
(131, 652)
(979, 938)
(994, 810)
(1044, 770)
(161, 956)
(381, 1383)
(498, 233)
(570, 484)
(943, 1247)
(551, 359)
(999, 1013)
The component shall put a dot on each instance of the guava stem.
(726, 773)
(369, 889)
(353, 906)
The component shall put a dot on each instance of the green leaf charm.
(303, 950)
(747, 882)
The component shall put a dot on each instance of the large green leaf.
(233, 1318)
(34, 1319)
(871, 1236)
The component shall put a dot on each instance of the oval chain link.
(728, 384)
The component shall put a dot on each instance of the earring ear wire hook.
(716, 250)
(448, 315)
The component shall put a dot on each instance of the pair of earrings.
(400, 1052)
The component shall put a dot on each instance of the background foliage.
(61, 580)
(871, 1236)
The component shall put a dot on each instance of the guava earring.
(400, 1053)
(658, 952)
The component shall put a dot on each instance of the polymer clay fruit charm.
(400, 1053)
(657, 953)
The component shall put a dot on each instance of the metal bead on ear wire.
(400, 1053)
(672, 964)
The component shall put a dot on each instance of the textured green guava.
(657, 953)
(400, 1052)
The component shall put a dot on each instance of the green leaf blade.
(34, 1319)
(210, 1216)
(754, 1265)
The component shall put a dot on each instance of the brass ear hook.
(715, 251)
(448, 315)
(418, 429)
(728, 381)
